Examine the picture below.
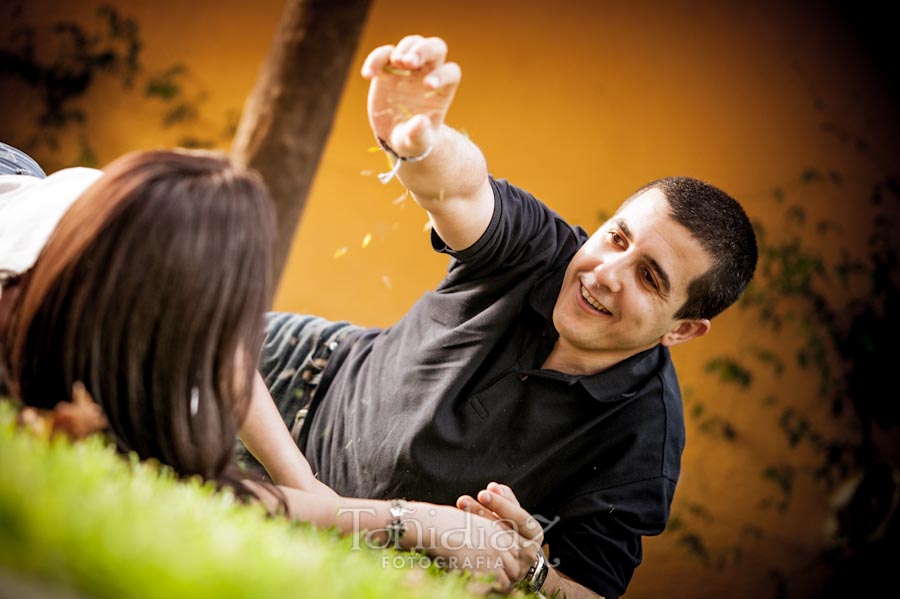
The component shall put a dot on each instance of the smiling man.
(623, 289)
(541, 360)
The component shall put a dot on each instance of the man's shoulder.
(508, 192)
(524, 240)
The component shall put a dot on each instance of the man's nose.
(610, 271)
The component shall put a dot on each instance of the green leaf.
(730, 371)
(695, 547)
(796, 214)
(811, 174)
(165, 85)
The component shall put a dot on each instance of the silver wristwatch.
(533, 580)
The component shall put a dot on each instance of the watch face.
(398, 509)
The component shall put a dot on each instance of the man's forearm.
(565, 588)
(455, 168)
(411, 88)
(452, 185)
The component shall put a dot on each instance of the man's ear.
(685, 331)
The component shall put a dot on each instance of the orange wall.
(579, 102)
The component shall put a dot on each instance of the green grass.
(82, 519)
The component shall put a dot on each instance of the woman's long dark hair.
(151, 292)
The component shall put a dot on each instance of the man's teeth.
(594, 303)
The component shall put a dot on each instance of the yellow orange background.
(579, 102)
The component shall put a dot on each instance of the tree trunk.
(289, 113)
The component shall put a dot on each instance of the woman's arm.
(265, 435)
(455, 538)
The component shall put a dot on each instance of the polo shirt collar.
(622, 379)
(627, 377)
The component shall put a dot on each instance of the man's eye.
(616, 238)
(648, 277)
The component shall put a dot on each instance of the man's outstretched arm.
(412, 87)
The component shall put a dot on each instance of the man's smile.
(593, 302)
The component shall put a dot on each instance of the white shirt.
(31, 207)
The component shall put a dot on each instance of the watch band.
(533, 581)
(396, 527)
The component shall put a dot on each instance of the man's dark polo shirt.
(453, 396)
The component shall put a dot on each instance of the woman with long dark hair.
(149, 297)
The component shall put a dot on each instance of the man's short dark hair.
(719, 223)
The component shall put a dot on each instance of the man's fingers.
(376, 60)
(510, 572)
(464, 501)
(417, 52)
(403, 56)
(503, 490)
(526, 525)
(444, 77)
(405, 44)
(429, 51)
(468, 504)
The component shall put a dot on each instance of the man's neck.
(568, 359)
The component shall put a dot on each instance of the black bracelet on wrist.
(398, 160)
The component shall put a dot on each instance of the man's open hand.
(410, 92)
(498, 501)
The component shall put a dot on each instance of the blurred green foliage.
(83, 518)
(59, 63)
(831, 305)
